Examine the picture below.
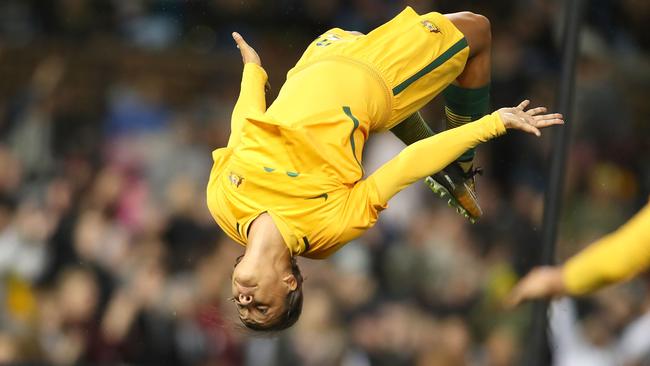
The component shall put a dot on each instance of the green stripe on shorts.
(444, 57)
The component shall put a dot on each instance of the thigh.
(441, 59)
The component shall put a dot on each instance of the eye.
(263, 309)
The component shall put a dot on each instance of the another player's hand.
(528, 120)
(540, 283)
(248, 54)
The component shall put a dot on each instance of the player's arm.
(251, 96)
(616, 257)
(430, 155)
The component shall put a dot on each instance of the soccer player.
(616, 257)
(289, 182)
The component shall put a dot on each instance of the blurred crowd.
(109, 110)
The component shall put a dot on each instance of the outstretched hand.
(540, 283)
(248, 54)
(528, 120)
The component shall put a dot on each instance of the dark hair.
(292, 306)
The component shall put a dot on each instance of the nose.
(245, 280)
(245, 299)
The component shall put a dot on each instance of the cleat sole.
(445, 195)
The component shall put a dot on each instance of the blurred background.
(109, 110)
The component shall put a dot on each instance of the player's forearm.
(432, 154)
(614, 258)
(251, 99)
(252, 87)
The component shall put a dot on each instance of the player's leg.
(466, 99)
(412, 129)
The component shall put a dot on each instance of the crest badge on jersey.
(235, 179)
(430, 26)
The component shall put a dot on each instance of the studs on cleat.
(444, 194)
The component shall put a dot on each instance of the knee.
(480, 23)
(476, 28)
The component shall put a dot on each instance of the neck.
(265, 243)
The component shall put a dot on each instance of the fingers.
(540, 283)
(549, 116)
(523, 105)
(536, 111)
(523, 291)
(526, 127)
(548, 120)
(241, 43)
(541, 120)
(530, 118)
(248, 54)
(515, 298)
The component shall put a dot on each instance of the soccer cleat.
(457, 187)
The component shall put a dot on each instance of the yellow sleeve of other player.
(432, 154)
(617, 257)
(251, 99)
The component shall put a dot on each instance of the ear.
(290, 281)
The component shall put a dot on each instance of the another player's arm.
(251, 96)
(616, 257)
(432, 154)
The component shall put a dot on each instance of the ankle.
(466, 165)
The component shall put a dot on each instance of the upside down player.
(290, 181)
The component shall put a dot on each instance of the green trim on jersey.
(348, 112)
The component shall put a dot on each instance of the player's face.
(258, 293)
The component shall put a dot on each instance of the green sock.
(463, 106)
(412, 129)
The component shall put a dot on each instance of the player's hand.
(248, 54)
(531, 120)
(540, 283)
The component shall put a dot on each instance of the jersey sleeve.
(616, 257)
(251, 99)
(432, 154)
